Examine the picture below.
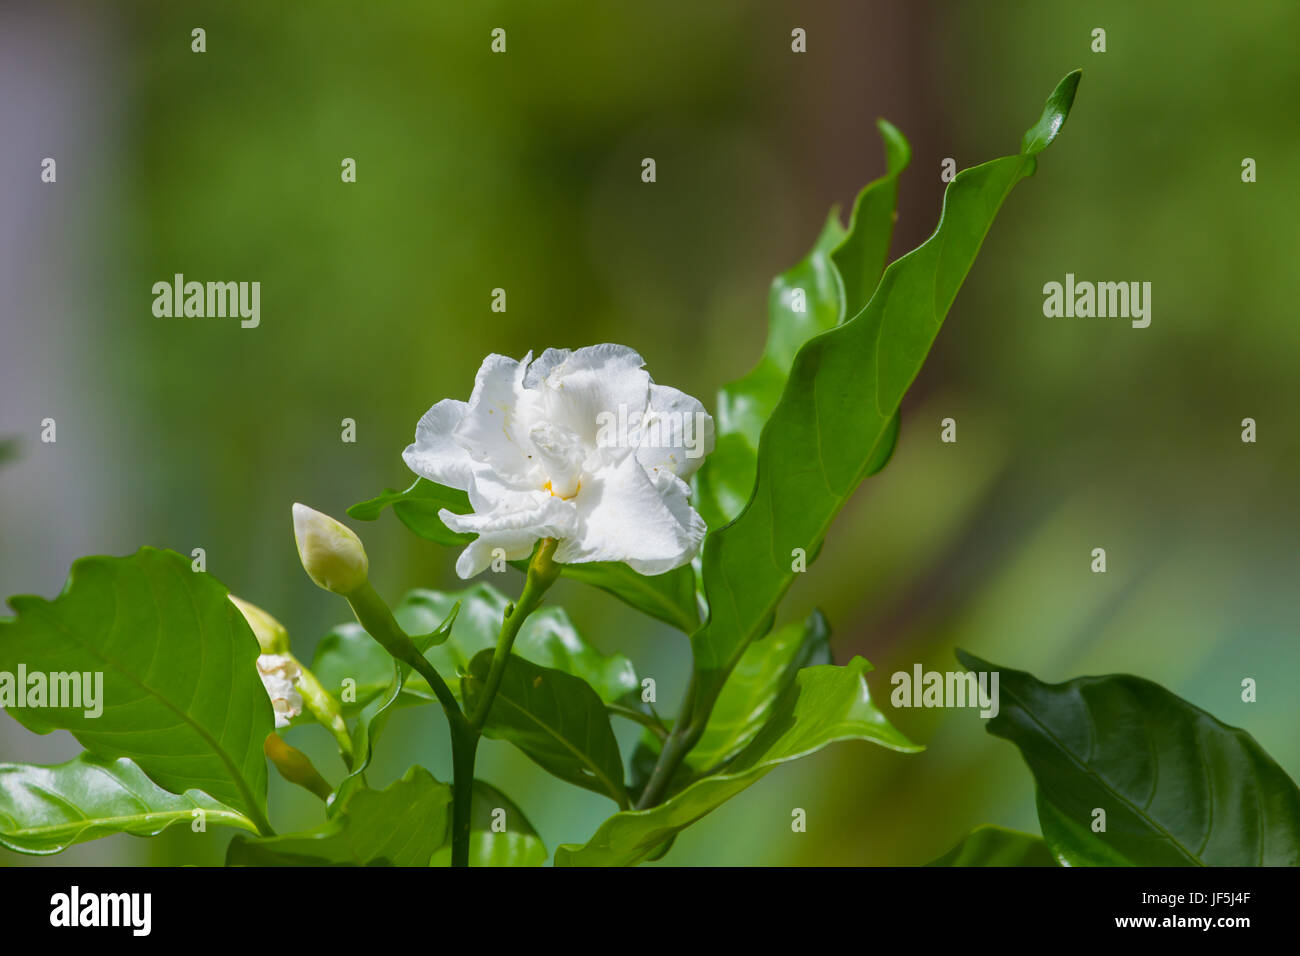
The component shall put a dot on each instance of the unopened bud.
(295, 766)
(331, 552)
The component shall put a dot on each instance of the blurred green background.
(522, 171)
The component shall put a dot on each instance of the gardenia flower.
(578, 445)
(278, 672)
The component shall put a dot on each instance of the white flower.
(580, 446)
(331, 552)
(278, 673)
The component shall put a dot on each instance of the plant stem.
(649, 721)
(325, 708)
(685, 735)
(380, 624)
(375, 616)
(542, 572)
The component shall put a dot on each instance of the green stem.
(380, 624)
(685, 734)
(464, 748)
(649, 721)
(325, 708)
(378, 620)
(542, 572)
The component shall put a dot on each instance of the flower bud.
(270, 633)
(331, 552)
(295, 766)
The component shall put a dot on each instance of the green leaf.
(47, 809)
(668, 597)
(517, 845)
(547, 638)
(181, 695)
(988, 845)
(401, 825)
(862, 254)
(825, 704)
(556, 719)
(374, 715)
(417, 507)
(1038, 137)
(836, 279)
(834, 421)
(766, 669)
(1178, 786)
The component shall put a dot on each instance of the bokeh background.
(522, 171)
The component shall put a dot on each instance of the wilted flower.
(581, 446)
(278, 673)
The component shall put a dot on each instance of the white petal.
(435, 454)
(513, 531)
(578, 390)
(623, 516)
(676, 433)
(561, 454)
(491, 429)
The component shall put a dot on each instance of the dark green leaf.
(556, 719)
(181, 693)
(988, 845)
(1178, 786)
(517, 845)
(835, 279)
(401, 825)
(668, 597)
(825, 704)
(834, 420)
(47, 809)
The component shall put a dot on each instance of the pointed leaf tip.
(1039, 136)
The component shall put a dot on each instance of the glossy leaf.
(401, 825)
(547, 638)
(824, 704)
(988, 845)
(181, 693)
(766, 669)
(1178, 786)
(517, 845)
(47, 809)
(417, 507)
(556, 719)
(752, 692)
(834, 280)
(835, 416)
(668, 597)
